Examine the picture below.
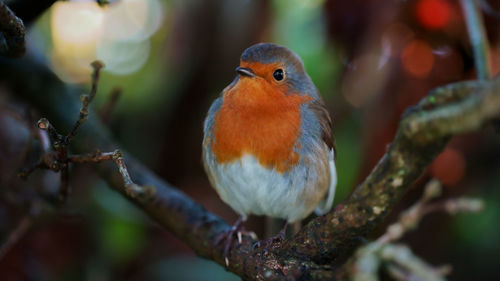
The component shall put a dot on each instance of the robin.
(268, 147)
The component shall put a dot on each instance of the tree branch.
(326, 241)
(398, 260)
(11, 33)
(422, 135)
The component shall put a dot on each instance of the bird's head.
(271, 66)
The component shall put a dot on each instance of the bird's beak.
(245, 71)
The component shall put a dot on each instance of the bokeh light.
(417, 58)
(364, 79)
(132, 20)
(79, 21)
(123, 56)
(117, 34)
(396, 36)
(433, 14)
(75, 30)
(449, 166)
(495, 60)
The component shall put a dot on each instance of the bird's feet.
(228, 237)
(267, 243)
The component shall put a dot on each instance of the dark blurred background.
(370, 59)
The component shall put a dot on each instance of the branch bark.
(321, 247)
(11, 33)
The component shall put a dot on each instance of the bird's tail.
(327, 202)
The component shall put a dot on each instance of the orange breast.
(257, 118)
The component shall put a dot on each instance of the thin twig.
(44, 124)
(409, 219)
(406, 260)
(116, 156)
(95, 157)
(97, 66)
(58, 161)
(131, 188)
(401, 263)
(86, 100)
(478, 38)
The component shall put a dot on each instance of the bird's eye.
(278, 74)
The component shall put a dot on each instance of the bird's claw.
(267, 243)
(228, 236)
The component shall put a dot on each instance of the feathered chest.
(260, 121)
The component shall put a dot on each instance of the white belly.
(249, 188)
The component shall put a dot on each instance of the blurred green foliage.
(347, 139)
(122, 228)
(300, 26)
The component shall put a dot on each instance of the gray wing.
(207, 157)
(323, 117)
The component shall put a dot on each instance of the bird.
(268, 147)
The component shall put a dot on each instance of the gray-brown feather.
(323, 117)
